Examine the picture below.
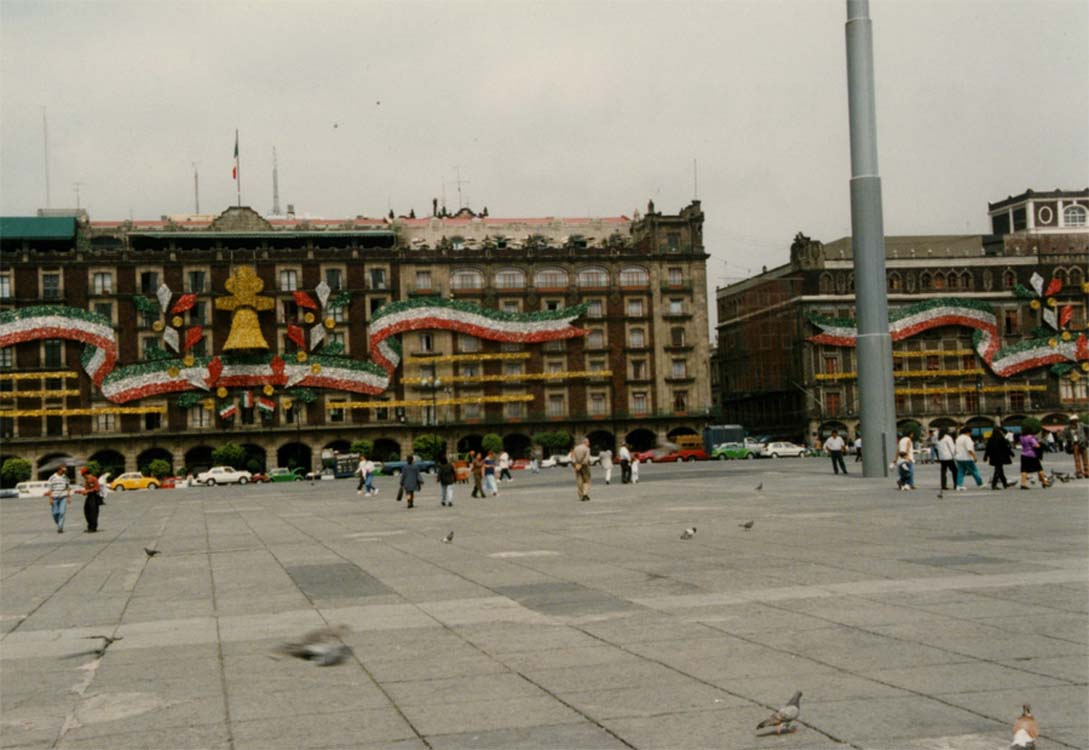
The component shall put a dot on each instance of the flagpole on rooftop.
(237, 170)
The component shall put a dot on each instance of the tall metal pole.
(874, 347)
(196, 190)
(45, 148)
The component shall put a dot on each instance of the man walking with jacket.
(580, 462)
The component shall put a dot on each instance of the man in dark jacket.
(998, 453)
(447, 478)
(410, 480)
(92, 498)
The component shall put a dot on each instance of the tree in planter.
(94, 467)
(229, 454)
(15, 470)
(492, 442)
(362, 446)
(158, 468)
(429, 446)
(1031, 426)
(559, 441)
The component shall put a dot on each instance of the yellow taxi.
(134, 480)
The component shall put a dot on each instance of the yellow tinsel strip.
(987, 389)
(8, 395)
(417, 359)
(428, 402)
(903, 374)
(37, 375)
(935, 353)
(510, 378)
(18, 414)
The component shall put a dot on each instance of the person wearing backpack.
(447, 479)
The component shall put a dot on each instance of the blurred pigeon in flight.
(151, 552)
(448, 538)
(781, 719)
(324, 647)
(688, 533)
(747, 525)
(759, 487)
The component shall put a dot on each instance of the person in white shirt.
(504, 467)
(858, 448)
(607, 464)
(625, 464)
(59, 490)
(635, 470)
(946, 448)
(964, 453)
(906, 446)
(835, 445)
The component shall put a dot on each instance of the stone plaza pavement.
(908, 621)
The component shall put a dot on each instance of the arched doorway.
(1054, 422)
(910, 426)
(641, 439)
(48, 464)
(518, 445)
(676, 432)
(602, 440)
(1013, 420)
(827, 427)
(109, 461)
(143, 461)
(339, 446)
(198, 459)
(255, 461)
(981, 427)
(470, 443)
(387, 449)
(294, 456)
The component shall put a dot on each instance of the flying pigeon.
(747, 525)
(1025, 730)
(688, 533)
(781, 719)
(107, 641)
(759, 487)
(324, 647)
(151, 552)
(448, 538)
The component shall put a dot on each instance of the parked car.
(682, 454)
(782, 450)
(9, 492)
(321, 474)
(393, 468)
(646, 456)
(519, 464)
(550, 462)
(223, 475)
(735, 450)
(259, 477)
(280, 474)
(32, 489)
(134, 480)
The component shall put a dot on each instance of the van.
(32, 489)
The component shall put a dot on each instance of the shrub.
(1031, 426)
(429, 446)
(15, 470)
(554, 442)
(363, 447)
(158, 468)
(94, 467)
(253, 466)
(229, 454)
(492, 442)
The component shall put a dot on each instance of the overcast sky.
(550, 109)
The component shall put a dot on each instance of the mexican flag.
(267, 405)
(228, 411)
(247, 399)
(234, 170)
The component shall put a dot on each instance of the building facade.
(988, 329)
(640, 373)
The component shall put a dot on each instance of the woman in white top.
(906, 446)
(964, 453)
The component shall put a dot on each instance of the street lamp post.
(434, 384)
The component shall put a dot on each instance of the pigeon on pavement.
(324, 647)
(688, 533)
(107, 641)
(1025, 730)
(941, 494)
(759, 487)
(781, 719)
(151, 552)
(449, 537)
(747, 525)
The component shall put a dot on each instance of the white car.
(780, 450)
(32, 489)
(223, 475)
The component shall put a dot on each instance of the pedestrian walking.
(476, 467)
(410, 481)
(580, 462)
(1049, 442)
(964, 453)
(92, 498)
(835, 445)
(447, 479)
(635, 469)
(1030, 459)
(998, 454)
(1076, 438)
(504, 467)
(907, 447)
(490, 484)
(58, 492)
(361, 472)
(625, 464)
(903, 472)
(946, 448)
(858, 448)
(606, 456)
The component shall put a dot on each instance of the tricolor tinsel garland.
(909, 321)
(59, 322)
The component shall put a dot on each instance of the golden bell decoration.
(268, 390)
(330, 323)
(221, 392)
(176, 321)
(1052, 343)
(244, 286)
(1067, 336)
(173, 372)
(308, 318)
(315, 368)
(189, 360)
(158, 326)
(300, 357)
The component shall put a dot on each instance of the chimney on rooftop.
(291, 210)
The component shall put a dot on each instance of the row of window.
(897, 281)
(591, 277)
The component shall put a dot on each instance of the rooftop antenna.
(196, 190)
(76, 186)
(275, 185)
(459, 181)
(45, 145)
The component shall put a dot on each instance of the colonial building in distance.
(987, 329)
(281, 334)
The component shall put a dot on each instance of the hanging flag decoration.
(228, 410)
(192, 336)
(247, 399)
(170, 336)
(1054, 287)
(164, 294)
(1049, 318)
(1037, 282)
(317, 335)
(323, 290)
(304, 300)
(184, 303)
(234, 169)
(1065, 315)
(295, 333)
(266, 405)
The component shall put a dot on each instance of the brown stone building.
(775, 381)
(641, 374)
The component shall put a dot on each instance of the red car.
(519, 464)
(645, 456)
(684, 454)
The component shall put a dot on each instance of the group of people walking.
(60, 490)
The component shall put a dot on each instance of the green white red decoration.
(58, 322)
(1063, 347)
